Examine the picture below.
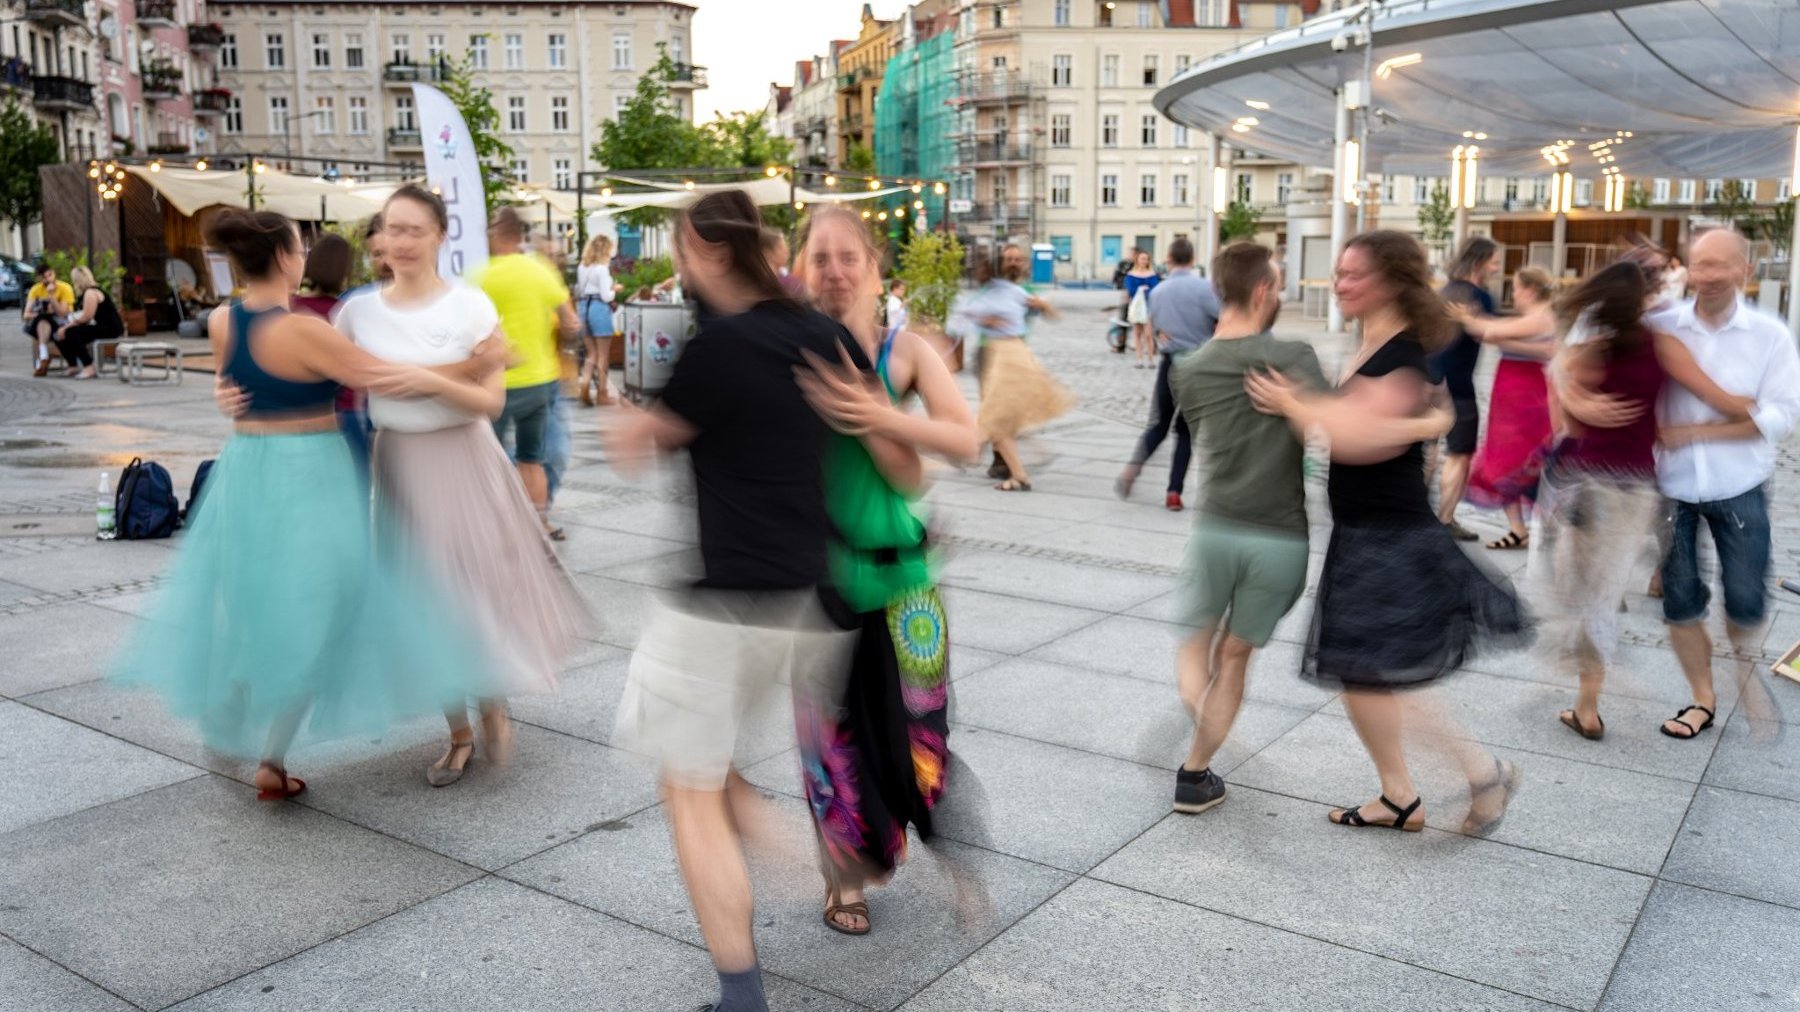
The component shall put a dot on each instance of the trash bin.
(1043, 263)
(655, 334)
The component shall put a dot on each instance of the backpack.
(205, 468)
(145, 505)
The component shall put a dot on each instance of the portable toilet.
(1043, 263)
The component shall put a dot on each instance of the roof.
(1651, 87)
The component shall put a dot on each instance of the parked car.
(11, 293)
(22, 271)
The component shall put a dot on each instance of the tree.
(1637, 197)
(24, 146)
(649, 132)
(1778, 224)
(1436, 218)
(742, 139)
(1733, 205)
(859, 158)
(476, 104)
(1238, 222)
(931, 264)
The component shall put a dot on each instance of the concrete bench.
(135, 356)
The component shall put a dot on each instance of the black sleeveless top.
(1390, 492)
(106, 315)
(269, 394)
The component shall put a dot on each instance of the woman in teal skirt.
(278, 623)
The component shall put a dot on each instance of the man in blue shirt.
(1183, 312)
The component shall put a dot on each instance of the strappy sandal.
(1353, 817)
(833, 908)
(290, 786)
(1572, 721)
(1506, 779)
(441, 773)
(1014, 485)
(1693, 732)
(1513, 540)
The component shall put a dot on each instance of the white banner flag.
(452, 170)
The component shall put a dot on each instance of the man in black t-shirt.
(1454, 369)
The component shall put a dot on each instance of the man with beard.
(1246, 563)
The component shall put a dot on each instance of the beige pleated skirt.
(454, 497)
(1017, 394)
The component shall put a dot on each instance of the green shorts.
(1248, 577)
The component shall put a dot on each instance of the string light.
(689, 183)
(771, 171)
(918, 187)
(830, 180)
(260, 167)
(799, 205)
(874, 184)
(200, 166)
(881, 217)
(938, 189)
(865, 216)
(156, 166)
(606, 191)
(899, 212)
(918, 205)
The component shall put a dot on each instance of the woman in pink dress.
(1505, 471)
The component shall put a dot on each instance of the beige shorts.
(706, 658)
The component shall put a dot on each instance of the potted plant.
(131, 308)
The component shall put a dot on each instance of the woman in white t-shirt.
(594, 294)
(442, 475)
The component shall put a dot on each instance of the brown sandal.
(290, 786)
(1573, 722)
(833, 908)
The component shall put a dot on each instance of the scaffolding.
(915, 112)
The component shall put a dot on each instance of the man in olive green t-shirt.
(1247, 556)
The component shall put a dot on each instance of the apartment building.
(158, 89)
(49, 65)
(861, 64)
(815, 108)
(332, 80)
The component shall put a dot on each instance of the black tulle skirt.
(1403, 605)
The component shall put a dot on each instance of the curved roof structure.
(1660, 87)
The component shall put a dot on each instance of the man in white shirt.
(896, 303)
(1715, 472)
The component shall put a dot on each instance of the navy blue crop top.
(269, 394)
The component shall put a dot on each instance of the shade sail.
(298, 197)
(1704, 88)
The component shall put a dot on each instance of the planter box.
(137, 322)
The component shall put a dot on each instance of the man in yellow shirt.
(47, 304)
(535, 310)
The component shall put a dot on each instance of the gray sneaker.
(1196, 792)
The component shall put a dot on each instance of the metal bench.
(105, 349)
(135, 356)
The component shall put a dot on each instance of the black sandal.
(1512, 540)
(1693, 732)
(1506, 778)
(1353, 817)
(1572, 721)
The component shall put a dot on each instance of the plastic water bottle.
(103, 510)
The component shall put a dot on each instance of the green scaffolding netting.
(913, 120)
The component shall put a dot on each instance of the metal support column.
(1209, 217)
(1793, 292)
(1340, 211)
(1559, 244)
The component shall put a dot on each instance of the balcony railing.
(814, 126)
(995, 86)
(68, 12)
(212, 100)
(399, 137)
(168, 144)
(409, 73)
(687, 74)
(1010, 211)
(15, 73)
(206, 36)
(993, 152)
(161, 80)
(851, 79)
(62, 93)
(852, 124)
(156, 13)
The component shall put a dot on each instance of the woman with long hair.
(1399, 605)
(595, 291)
(1017, 394)
(277, 621)
(1600, 492)
(1140, 281)
(96, 319)
(877, 763)
(442, 478)
(1504, 474)
(327, 275)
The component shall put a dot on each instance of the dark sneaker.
(1196, 792)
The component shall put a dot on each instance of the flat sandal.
(1353, 817)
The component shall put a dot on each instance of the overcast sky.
(746, 44)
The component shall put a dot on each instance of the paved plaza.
(138, 871)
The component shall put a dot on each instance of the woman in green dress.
(875, 758)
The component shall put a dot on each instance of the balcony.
(212, 100)
(206, 36)
(168, 144)
(1000, 86)
(15, 73)
(688, 76)
(156, 13)
(62, 94)
(851, 80)
(851, 125)
(403, 139)
(57, 12)
(160, 81)
(993, 153)
(1014, 211)
(813, 126)
(412, 73)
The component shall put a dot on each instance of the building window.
(234, 115)
(1178, 189)
(1687, 192)
(514, 45)
(556, 49)
(359, 115)
(227, 51)
(619, 104)
(403, 113)
(1244, 182)
(1062, 70)
(1109, 70)
(520, 169)
(1715, 188)
(562, 173)
(1747, 189)
(1109, 130)
(515, 114)
(275, 50)
(1584, 192)
(400, 44)
(1281, 15)
(1389, 189)
(1512, 192)
(1421, 189)
(1144, 15)
(1109, 190)
(1150, 70)
(1540, 192)
(1147, 189)
(1060, 130)
(621, 52)
(324, 115)
(1182, 62)
(1784, 189)
(278, 114)
(1659, 192)
(1180, 138)
(435, 48)
(1212, 13)
(559, 113)
(353, 50)
(676, 48)
(1103, 16)
(1284, 187)
(321, 49)
(1064, 248)
(1060, 187)
(1059, 14)
(1147, 134)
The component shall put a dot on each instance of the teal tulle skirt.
(279, 624)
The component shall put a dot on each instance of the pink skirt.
(1506, 469)
(460, 501)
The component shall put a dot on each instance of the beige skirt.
(1017, 395)
(457, 500)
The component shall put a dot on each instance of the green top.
(880, 550)
(1256, 478)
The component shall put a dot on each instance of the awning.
(1678, 88)
(298, 197)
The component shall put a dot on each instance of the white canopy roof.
(1703, 87)
(298, 197)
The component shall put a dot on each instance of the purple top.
(1633, 375)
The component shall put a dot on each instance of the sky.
(746, 44)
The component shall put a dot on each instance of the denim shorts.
(1740, 533)
(528, 411)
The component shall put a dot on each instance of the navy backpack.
(187, 512)
(145, 505)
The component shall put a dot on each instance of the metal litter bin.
(655, 334)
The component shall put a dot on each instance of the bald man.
(1716, 472)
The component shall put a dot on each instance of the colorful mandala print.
(931, 759)
(827, 763)
(922, 648)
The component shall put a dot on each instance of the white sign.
(452, 170)
(960, 206)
